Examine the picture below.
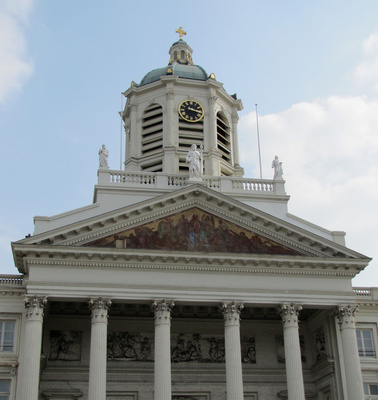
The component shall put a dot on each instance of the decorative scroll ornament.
(345, 315)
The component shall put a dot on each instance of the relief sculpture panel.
(65, 345)
(184, 347)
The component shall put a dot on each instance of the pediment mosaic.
(193, 230)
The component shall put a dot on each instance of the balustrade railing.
(161, 180)
(11, 280)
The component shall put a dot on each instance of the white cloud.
(329, 150)
(15, 66)
(367, 71)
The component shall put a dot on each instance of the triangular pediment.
(193, 220)
(193, 230)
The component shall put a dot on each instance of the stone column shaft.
(347, 323)
(169, 134)
(28, 378)
(234, 374)
(133, 132)
(98, 348)
(235, 139)
(212, 124)
(293, 361)
(162, 310)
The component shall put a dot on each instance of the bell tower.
(174, 107)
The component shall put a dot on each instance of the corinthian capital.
(99, 308)
(170, 95)
(346, 316)
(231, 311)
(289, 314)
(162, 305)
(235, 117)
(212, 99)
(35, 306)
(162, 310)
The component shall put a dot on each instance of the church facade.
(184, 280)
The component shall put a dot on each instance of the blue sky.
(311, 66)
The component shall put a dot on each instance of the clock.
(191, 111)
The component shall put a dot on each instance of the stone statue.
(194, 159)
(103, 157)
(278, 172)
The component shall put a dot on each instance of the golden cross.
(181, 32)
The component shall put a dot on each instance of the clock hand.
(193, 109)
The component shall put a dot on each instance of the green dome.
(181, 70)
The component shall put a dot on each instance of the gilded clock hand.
(193, 109)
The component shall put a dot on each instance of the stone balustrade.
(365, 293)
(11, 280)
(159, 180)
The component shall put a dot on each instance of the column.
(28, 376)
(169, 134)
(234, 375)
(235, 139)
(347, 323)
(134, 131)
(294, 375)
(98, 348)
(162, 310)
(212, 123)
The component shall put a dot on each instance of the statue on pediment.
(103, 154)
(194, 160)
(278, 172)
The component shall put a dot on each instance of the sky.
(310, 66)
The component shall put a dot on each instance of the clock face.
(191, 111)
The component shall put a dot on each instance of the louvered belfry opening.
(152, 138)
(223, 137)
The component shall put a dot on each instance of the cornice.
(89, 257)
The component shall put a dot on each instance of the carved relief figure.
(129, 346)
(248, 349)
(185, 347)
(321, 351)
(65, 345)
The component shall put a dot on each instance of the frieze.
(205, 348)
